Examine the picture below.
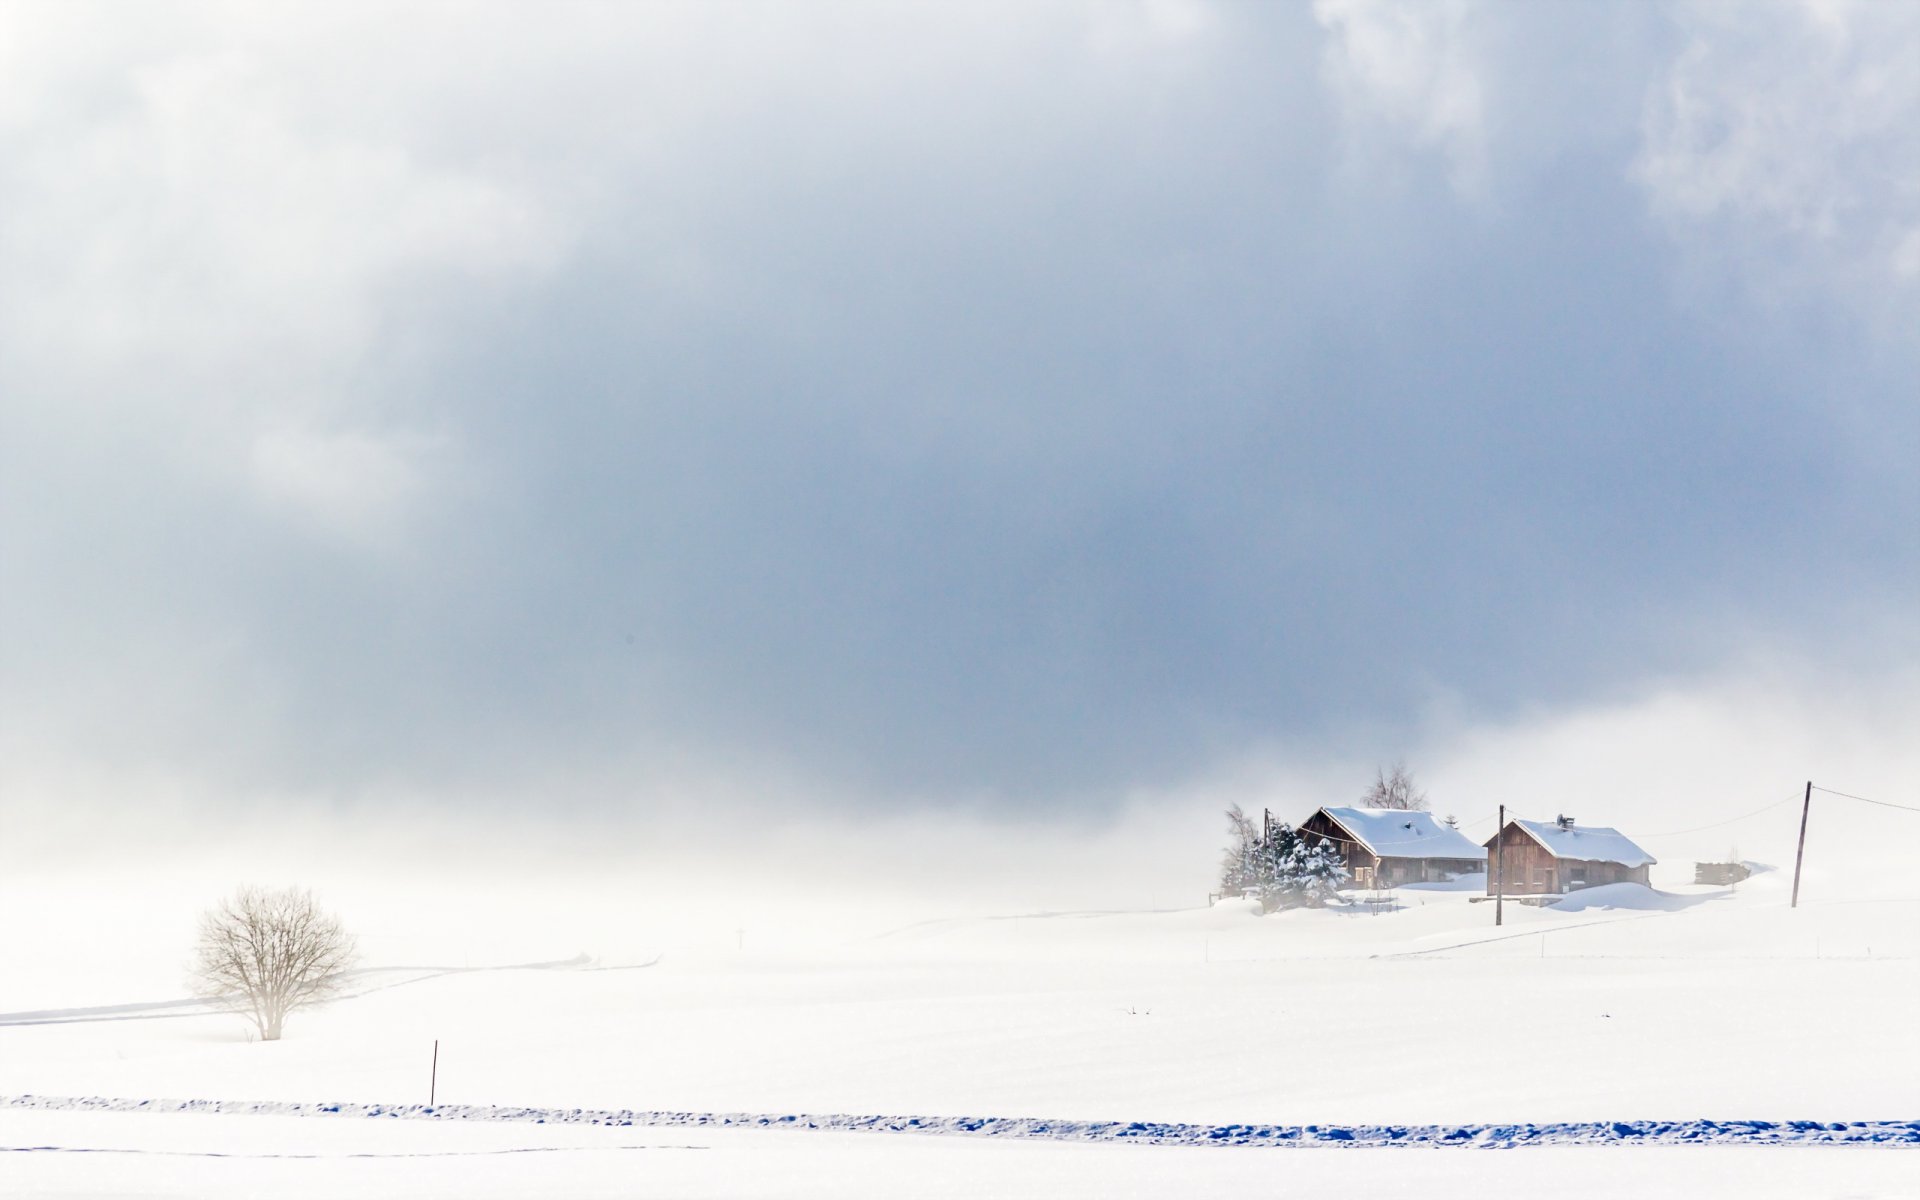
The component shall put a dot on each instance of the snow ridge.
(1157, 1133)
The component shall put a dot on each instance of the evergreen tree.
(1312, 873)
(1270, 882)
(1295, 871)
(1277, 866)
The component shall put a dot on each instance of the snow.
(1067, 1053)
(1587, 843)
(203, 1157)
(1153, 1133)
(1398, 833)
(1626, 896)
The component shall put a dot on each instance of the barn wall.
(1581, 874)
(1428, 870)
(1530, 868)
(1360, 861)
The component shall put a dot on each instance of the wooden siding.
(1426, 870)
(1531, 869)
(1366, 869)
(1360, 861)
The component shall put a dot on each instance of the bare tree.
(266, 952)
(1395, 790)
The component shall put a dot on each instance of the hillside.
(1635, 1005)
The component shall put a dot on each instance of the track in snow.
(1156, 1133)
(361, 981)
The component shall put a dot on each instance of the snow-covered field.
(1684, 1005)
(189, 1156)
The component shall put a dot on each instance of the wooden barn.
(1389, 846)
(1558, 856)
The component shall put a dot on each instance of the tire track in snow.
(342, 1155)
(1524, 933)
(154, 1010)
(1157, 1133)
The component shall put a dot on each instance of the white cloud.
(1779, 145)
(353, 485)
(195, 248)
(199, 217)
(1414, 69)
(1696, 767)
(233, 236)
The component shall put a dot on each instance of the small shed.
(1722, 874)
(1388, 846)
(1551, 857)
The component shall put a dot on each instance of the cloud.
(1414, 69)
(349, 484)
(1778, 148)
(1008, 409)
(1695, 769)
(188, 217)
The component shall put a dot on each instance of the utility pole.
(1500, 869)
(1800, 852)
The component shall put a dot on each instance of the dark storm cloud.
(1023, 408)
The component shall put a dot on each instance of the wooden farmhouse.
(1558, 856)
(1388, 846)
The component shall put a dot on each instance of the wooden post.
(1500, 870)
(1800, 851)
(433, 1082)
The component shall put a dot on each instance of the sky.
(863, 417)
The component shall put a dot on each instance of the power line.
(1370, 846)
(1765, 809)
(1377, 847)
(1865, 800)
(1729, 821)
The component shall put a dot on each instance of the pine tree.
(1295, 871)
(1277, 850)
(1313, 873)
(1276, 865)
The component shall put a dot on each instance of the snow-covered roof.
(1398, 833)
(1586, 843)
